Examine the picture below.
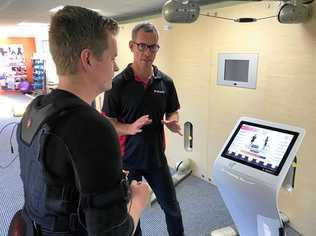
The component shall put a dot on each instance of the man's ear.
(85, 59)
(131, 45)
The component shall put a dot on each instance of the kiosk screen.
(262, 147)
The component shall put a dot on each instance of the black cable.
(4, 167)
(308, 2)
(240, 20)
(11, 146)
(219, 17)
(11, 136)
(6, 125)
(267, 17)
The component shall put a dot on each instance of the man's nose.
(147, 51)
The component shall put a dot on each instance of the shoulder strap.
(36, 115)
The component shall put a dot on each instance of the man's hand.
(139, 201)
(140, 194)
(137, 126)
(173, 126)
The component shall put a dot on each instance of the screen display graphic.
(262, 147)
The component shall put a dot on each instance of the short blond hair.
(73, 29)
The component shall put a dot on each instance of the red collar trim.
(144, 82)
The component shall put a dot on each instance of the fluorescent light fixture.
(96, 10)
(32, 24)
(56, 9)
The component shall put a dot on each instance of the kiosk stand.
(250, 171)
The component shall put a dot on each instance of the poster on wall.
(12, 66)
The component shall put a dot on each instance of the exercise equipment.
(25, 86)
(183, 170)
(179, 11)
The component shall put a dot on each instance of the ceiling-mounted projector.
(291, 14)
(180, 11)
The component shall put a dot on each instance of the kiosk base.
(226, 231)
(232, 231)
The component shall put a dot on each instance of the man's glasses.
(143, 46)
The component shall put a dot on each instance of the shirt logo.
(28, 123)
(159, 91)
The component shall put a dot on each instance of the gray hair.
(146, 27)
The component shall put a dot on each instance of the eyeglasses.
(143, 46)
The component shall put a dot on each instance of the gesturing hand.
(173, 126)
(137, 126)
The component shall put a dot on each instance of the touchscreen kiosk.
(250, 170)
(262, 147)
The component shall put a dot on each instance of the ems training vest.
(47, 203)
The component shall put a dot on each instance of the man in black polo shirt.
(141, 96)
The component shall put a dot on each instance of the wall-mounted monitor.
(237, 69)
(260, 146)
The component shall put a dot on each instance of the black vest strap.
(55, 223)
(118, 194)
(38, 114)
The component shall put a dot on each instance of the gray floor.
(202, 207)
(11, 196)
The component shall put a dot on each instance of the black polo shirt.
(128, 100)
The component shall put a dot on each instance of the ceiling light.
(56, 9)
(34, 24)
(97, 10)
